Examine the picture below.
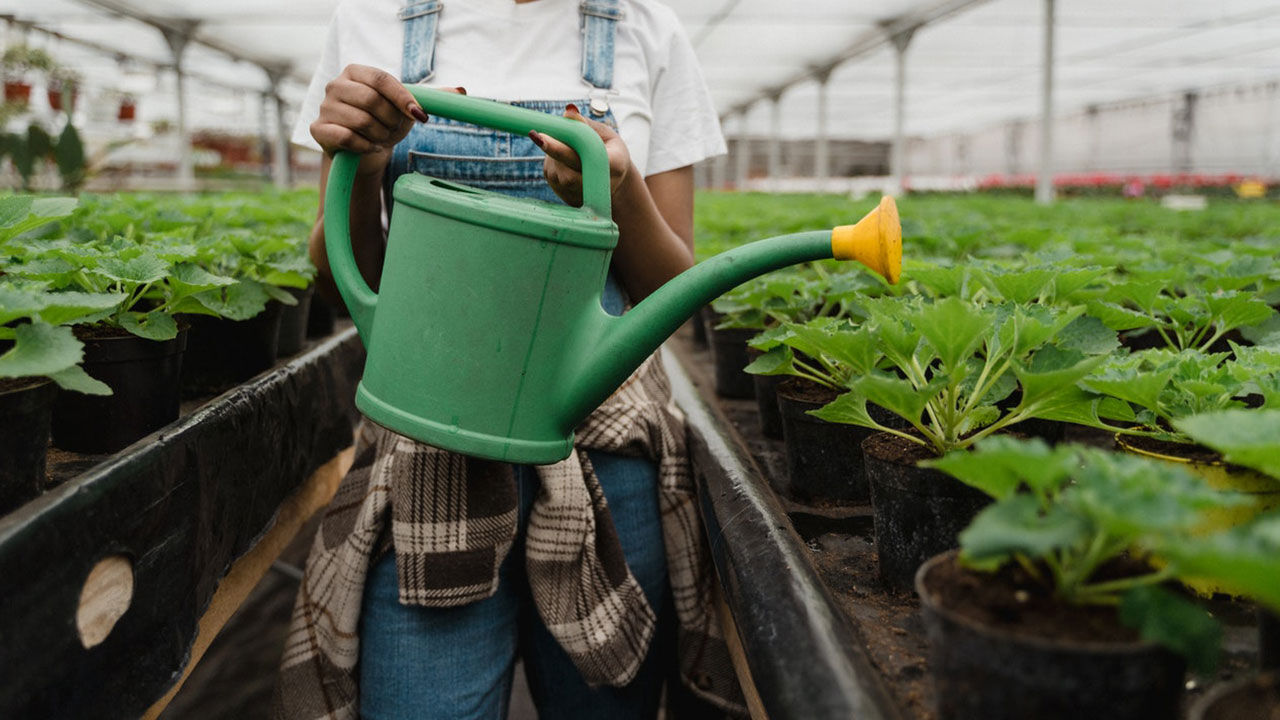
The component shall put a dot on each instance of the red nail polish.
(418, 114)
(533, 135)
(572, 108)
(462, 90)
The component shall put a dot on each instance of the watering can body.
(487, 336)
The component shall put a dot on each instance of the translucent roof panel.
(978, 65)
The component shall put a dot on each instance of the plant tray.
(178, 507)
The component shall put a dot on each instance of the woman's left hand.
(562, 168)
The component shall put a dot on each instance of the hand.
(366, 111)
(563, 169)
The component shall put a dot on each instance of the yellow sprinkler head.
(875, 241)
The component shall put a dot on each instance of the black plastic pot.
(766, 393)
(1255, 698)
(222, 353)
(294, 321)
(1268, 640)
(987, 673)
(729, 353)
(26, 408)
(144, 378)
(321, 319)
(699, 323)
(918, 512)
(824, 459)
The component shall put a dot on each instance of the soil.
(807, 391)
(1194, 453)
(840, 541)
(94, 332)
(901, 451)
(1013, 601)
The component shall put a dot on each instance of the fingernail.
(572, 109)
(533, 135)
(462, 90)
(418, 114)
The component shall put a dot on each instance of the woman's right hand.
(366, 111)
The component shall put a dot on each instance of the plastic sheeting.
(977, 67)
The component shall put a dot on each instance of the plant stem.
(1112, 587)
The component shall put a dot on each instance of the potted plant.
(36, 358)
(236, 327)
(63, 87)
(135, 345)
(819, 359)
(16, 64)
(1151, 391)
(1248, 438)
(128, 111)
(950, 364)
(1054, 606)
(1169, 307)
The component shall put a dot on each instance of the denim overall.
(453, 663)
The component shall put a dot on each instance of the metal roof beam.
(886, 30)
(188, 28)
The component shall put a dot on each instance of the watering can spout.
(624, 342)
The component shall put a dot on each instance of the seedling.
(1065, 513)
(951, 362)
(1160, 387)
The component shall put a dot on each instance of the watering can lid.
(525, 216)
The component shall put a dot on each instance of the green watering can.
(487, 336)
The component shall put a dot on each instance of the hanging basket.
(16, 91)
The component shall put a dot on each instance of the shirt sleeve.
(686, 127)
(326, 70)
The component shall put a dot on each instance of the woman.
(576, 567)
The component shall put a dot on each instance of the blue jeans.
(455, 663)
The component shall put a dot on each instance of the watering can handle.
(359, 297)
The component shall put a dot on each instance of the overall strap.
(599, 24)
(420, 20)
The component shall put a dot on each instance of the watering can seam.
(528, 353)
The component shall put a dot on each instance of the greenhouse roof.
(976, 62)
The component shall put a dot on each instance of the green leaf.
(152, 326)
(1046, 389)
(954, 328)
(72, 307)
(1088, 335)
(138, 270)
(241, 301)
(1018, 525)
(1127, 382)
(16, 303)
(1000, 465)
(76, 379)
(40, 350)
(1245, 437)
(777, 361)
(1020, 286)
(849, 408)
(893, 394)
(1174, 622)
(1244, 559)
(1236, 309)
(1118, 317)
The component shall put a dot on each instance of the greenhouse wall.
(1224, 130)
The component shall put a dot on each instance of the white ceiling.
(978, 66)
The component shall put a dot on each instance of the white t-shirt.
(508, 51)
